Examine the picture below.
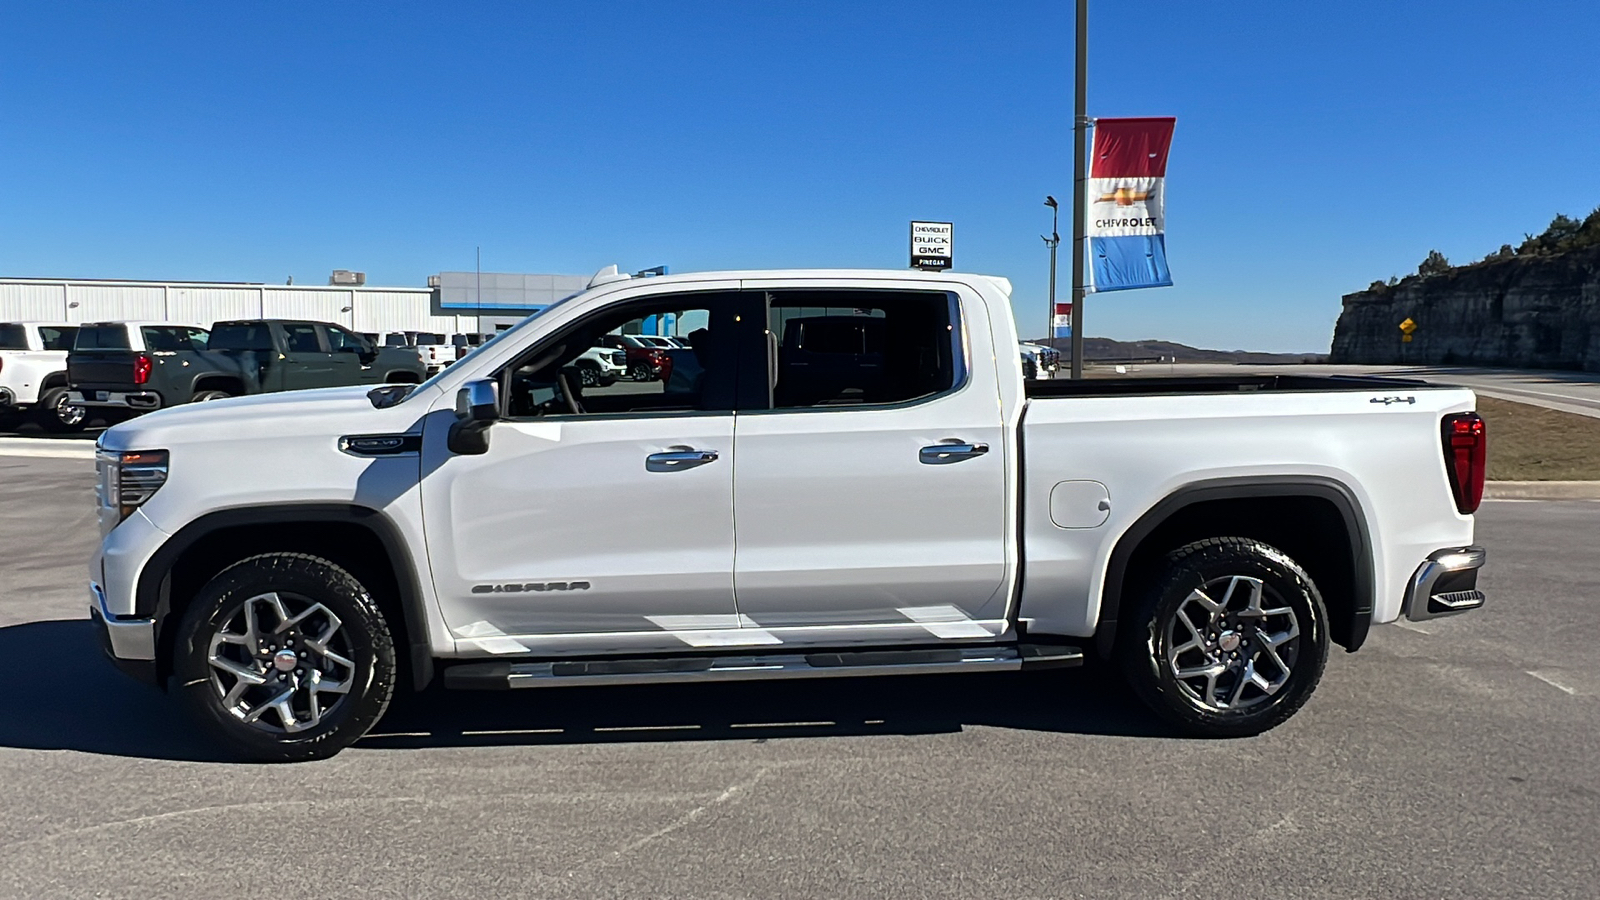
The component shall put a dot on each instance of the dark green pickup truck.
(141, 366)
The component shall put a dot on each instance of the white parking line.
(44, 448)
(1555, 684)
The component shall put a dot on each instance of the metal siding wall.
(205, 305)
(317, 306)
(32, 302)
(393, 311)
(111, 303)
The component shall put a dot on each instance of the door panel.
(854, 512)
(565, 526)
(842, 522)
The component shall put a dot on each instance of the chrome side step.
(506, 674)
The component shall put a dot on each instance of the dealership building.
(452, 302)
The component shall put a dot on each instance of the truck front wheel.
(1229, 641)
(284, 657)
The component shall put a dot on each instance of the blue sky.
(1318, 146)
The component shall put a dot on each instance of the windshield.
(493, 340)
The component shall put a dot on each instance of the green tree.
(1435, 264)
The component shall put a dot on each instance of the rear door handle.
(678, 458)
(943, 454)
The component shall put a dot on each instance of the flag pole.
(1080, 133)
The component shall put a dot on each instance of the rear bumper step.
(1446, 584)
(507, 674)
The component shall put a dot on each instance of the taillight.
(1466, 454)
(141, 369)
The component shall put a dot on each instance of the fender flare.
(152, 592)
(1249, 487)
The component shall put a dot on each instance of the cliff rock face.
(1537, 312)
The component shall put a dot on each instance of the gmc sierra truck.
(33, 374)
(881, 494)
(142, 366)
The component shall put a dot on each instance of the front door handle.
(678, 458)
(943, 454)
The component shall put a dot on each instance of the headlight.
(128, 478)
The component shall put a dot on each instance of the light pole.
(1080, 135)
(1053, 241)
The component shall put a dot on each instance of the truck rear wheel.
(285, 657)
(208, 396)
(54, 414)
(1229, 641)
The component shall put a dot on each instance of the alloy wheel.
(1232, 643)
(280, 657)
(68, 414)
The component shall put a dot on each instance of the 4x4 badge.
(1388, 400)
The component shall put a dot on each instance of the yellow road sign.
(1407, 327)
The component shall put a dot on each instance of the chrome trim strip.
(753, 668)
(128, 638)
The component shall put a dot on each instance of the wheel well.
(351, 545)
(401, 378)
(219, 383)
(1312, 530)
(54, 379)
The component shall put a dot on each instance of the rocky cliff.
(1535, 311)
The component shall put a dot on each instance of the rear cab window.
(13, 336)
(103, 336)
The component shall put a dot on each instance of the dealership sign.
(931, 244)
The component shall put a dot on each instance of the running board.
(507, 674)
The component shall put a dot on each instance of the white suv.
(33, 373)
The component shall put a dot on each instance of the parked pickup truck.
(33, 373)
(283, 562)
(141, 366)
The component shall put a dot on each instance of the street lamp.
(1053, 241)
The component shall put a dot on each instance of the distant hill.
(1105, 349)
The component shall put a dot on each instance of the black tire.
(1148, 636)
(588, 376)
(361, 637)
(209, 395)
(55, 416)
(642, 372)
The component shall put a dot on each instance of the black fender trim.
(151, 593)
(1321, 487)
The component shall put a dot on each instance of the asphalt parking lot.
(1455, 759)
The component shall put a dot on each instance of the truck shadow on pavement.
(61, 693)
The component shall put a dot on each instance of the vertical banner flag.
(1063, 320)
(1127, 204)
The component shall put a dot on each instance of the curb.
(47, 448)
(1542, 490)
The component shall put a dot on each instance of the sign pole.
(1080, 135)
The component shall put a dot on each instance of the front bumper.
(1445, 585)
(129, 642)
(119, 399)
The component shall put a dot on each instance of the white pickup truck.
(845, 475)
(33, 373)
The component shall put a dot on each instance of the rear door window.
(13, 337)
(172, 338)
(111, 336)
(301, 337)
(57, 337)
(241, 336)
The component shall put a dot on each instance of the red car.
(647, 355)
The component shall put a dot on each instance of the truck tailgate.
(101, 368)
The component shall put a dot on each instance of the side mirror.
(478, 401)
(477, 407)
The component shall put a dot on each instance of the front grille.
(619, 357)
